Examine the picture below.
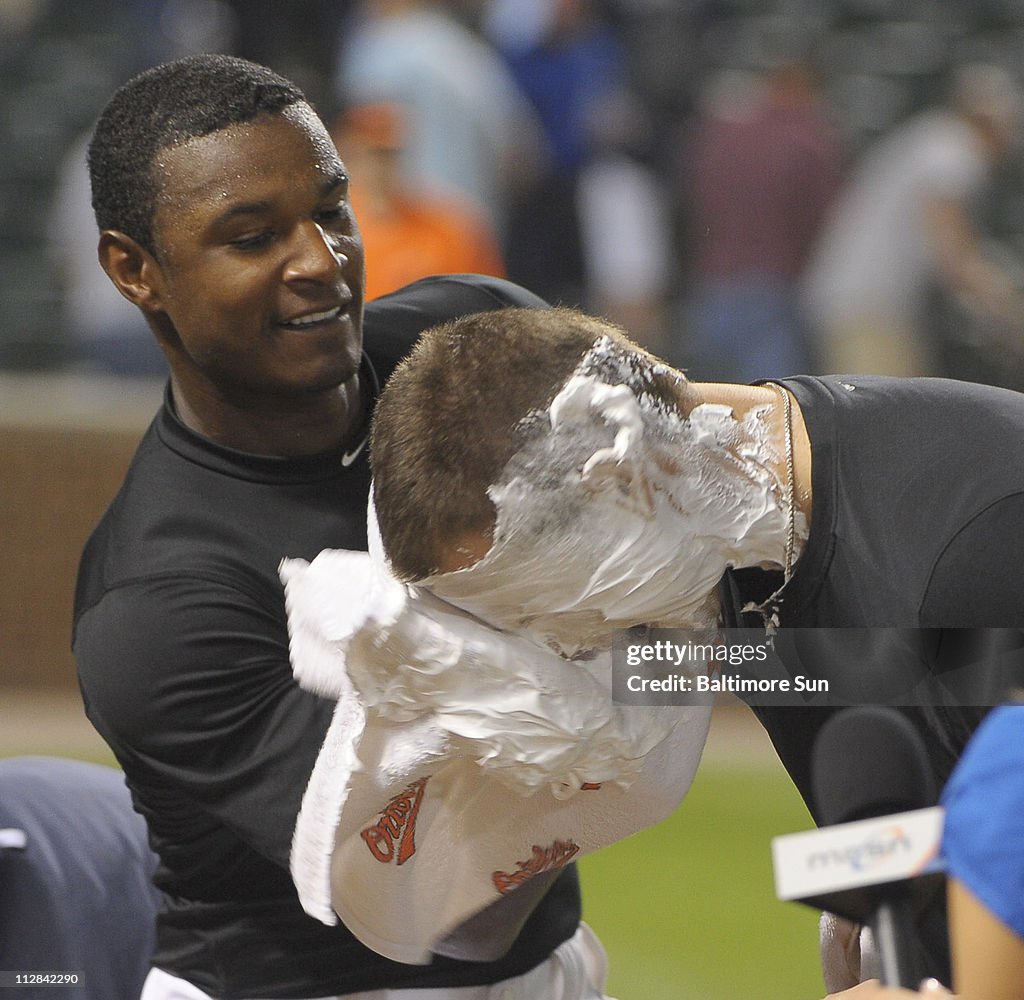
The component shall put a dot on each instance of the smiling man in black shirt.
(224, 218)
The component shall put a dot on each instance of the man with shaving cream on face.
(544, 474)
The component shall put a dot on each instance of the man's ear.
(132, 268)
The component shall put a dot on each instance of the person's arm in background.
(988, 957)
(986, 100)
(980, 282)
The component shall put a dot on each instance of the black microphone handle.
(895, 949)
(893, 775)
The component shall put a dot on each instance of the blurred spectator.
(903, 222)
(569, 63)
(624, 227)
(297, 39)
(105, 332)
(408, 232)
(762, 170)
(470, 129)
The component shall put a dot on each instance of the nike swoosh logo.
(350, 456)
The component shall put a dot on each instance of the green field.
(687, 909)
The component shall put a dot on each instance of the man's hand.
(841, 947)
(873, 990)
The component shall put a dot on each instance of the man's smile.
(320, 317)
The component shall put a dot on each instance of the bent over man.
(550, 477)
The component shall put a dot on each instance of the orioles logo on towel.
(397, 823)
(543, 859)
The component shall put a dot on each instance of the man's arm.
(873, 990)
(190, 681)
(988, 957)
(977, 579)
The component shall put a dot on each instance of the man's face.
(260, 259)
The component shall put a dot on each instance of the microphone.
(875, 859)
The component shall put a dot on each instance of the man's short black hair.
(164, 107)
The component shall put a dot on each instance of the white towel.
(461, 762)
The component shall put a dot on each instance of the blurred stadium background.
(686, 910)
(881, 60)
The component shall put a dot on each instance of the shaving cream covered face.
(619, 512)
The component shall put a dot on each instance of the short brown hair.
(454, 413)
(164, 107)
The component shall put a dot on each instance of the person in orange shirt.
(409, 232)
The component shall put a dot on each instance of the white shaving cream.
(457, 687)
(623, 513)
